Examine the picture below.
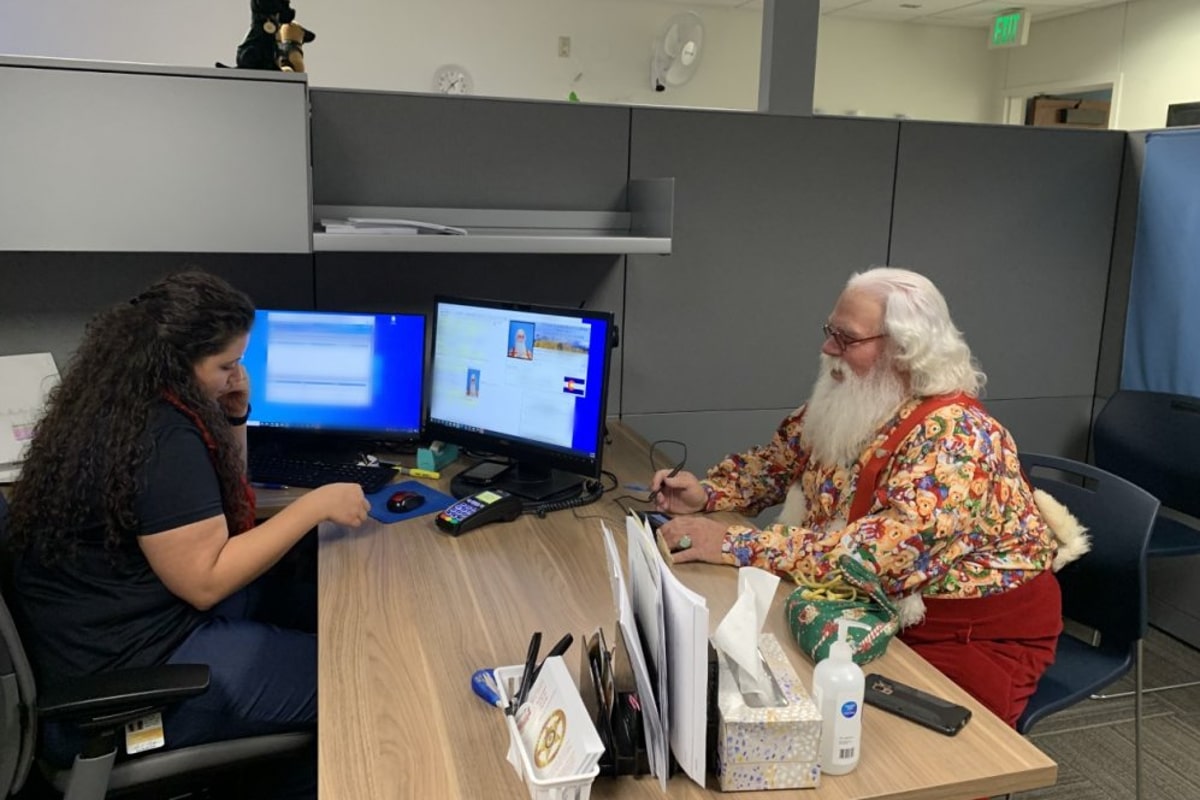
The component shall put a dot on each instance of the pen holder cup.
(568, 787)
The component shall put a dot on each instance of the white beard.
(844, 416)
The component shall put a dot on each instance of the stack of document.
(672, 677)
(556, 730)
(388, 227)
(25, 381)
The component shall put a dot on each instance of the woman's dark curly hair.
(91, 442)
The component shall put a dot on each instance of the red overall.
(994, 647)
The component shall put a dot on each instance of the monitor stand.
(529, 482)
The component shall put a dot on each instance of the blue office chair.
(1105, 590)
(1153, 440)
(99, 707)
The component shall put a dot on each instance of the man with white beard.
(894, 461)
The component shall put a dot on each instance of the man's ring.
(685, 542)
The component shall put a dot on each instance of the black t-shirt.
(106, 609)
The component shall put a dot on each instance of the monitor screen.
(524, 382)
(351, 374)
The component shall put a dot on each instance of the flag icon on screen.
(573, 385)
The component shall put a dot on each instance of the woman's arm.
(202, 564)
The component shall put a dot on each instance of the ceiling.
(965, 13)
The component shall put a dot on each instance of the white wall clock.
(452, 79)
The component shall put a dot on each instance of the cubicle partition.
(773, 214)
(719, 239)
(1016, 226)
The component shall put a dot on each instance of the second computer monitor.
(337, 375)
(529, 383)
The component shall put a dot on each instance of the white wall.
(1149, 49)
(883, 69)
(510, 49)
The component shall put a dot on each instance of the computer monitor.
(524, 382)
(329, 380)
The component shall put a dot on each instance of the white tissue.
(737, 635)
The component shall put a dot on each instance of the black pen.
(559, 648)
(535, 644)
(654, 495)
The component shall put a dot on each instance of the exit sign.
(1010, 28)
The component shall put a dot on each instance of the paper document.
(382, 225)
(685, 634)
(646, 595)
(25, 380)
(652, 727)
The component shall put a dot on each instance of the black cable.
(589, 492)
(678, 464)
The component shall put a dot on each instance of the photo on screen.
(521, 340)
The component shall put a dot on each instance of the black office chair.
(1105, 590)
(99, 707)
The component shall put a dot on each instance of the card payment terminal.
(490, 505)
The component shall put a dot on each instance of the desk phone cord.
(590, 492)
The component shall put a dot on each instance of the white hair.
(925, 343)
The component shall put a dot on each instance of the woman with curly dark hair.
(134, 525)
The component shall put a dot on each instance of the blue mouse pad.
(435, 501)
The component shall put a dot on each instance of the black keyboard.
(279, 471)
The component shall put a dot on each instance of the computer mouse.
(403, 501)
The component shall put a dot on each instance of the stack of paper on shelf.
(388, 227)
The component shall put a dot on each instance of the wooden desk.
(408, 613)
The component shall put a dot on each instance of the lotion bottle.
(838, 692)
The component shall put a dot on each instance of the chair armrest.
(127, 693)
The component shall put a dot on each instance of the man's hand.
(677, 494)
(235, 400)
(705, 535)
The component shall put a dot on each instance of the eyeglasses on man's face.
(844, 341)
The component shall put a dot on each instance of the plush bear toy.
(275, 40)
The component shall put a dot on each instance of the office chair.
(99, 706)
(1105, 590)
(1153, 440)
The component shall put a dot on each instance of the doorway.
(1075, 105)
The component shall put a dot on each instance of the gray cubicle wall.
(112, 175)
(1112, 341)
(388, 149)
(772, 213)
(1016, 227)
(47, 298)
(141, 158)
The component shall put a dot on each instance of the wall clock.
(452, 79)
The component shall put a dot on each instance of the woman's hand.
(704, 538)
(343, 503)
(677, 494)
(235, 400)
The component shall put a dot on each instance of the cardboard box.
(774, 746)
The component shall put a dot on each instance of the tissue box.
(772, 747)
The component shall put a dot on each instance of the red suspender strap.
(868, 477)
